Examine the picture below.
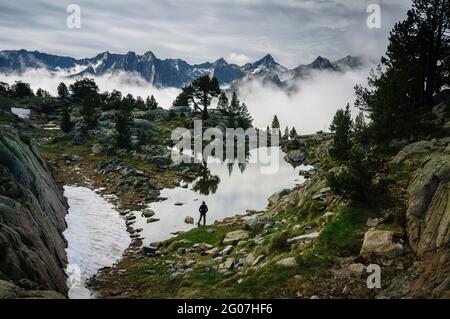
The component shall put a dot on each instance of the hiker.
(203, 210)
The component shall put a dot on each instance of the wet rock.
(379, 243)
(152, 220)
(234, 237)
(178, 204)
(189, 220)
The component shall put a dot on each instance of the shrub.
(354, 180)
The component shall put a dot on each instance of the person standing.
(203, 210)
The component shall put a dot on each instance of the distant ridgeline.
(167, 72)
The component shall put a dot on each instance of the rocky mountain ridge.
(166, 72)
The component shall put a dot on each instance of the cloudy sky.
(293, 31)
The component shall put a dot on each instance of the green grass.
(8, 118)
(343, 235)
(200, 235)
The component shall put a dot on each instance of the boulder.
(417, 148)
(379, 243)
(303, 238)
(258, 260)
(289, 262)
(189, 220)
(152, 220)
(214, 252)
(201, 247)
(234, 237)
(227, 250)
(97, 148)
(147, 213)
(357, 269)
(295, 156)
(428, 213)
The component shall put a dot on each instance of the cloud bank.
(309, 109)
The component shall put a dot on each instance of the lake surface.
(228, 189)
(96, 237)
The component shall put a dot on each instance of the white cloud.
(124, 82)
(311, 108)
(238, 58)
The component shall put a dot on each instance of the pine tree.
(151, 103)
(276, 125)
(204, 89)
(63, 91)
(416, 66)
(286, 134)
(66, 123)
(222, 104)
(275, 122)
(123, 122)
(89, 113)
(293, 133)
(245, 119)
(342, 127)
(360, 130)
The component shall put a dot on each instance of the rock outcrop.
(428, 214)
(32, 218)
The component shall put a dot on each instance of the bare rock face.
(428, 214)
(32, 218)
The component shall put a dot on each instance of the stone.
(258, 260)
(152, 220)
(227, 250)
(357, 269)
(303, 238)
(147, 213)
(289, 262)
(178, 204)
(189, 220)
(214, 252)
(295, 156)
(97, 149)
(130, 217)
(201, 247)
(228, 264)
(234, 237)
(249, 259)
(379, 243)
(374, 222)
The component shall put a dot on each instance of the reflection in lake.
(207, 183)
(228, 189)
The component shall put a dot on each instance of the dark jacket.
(203, 209)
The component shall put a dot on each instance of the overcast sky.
(293, 31)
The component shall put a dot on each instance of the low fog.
(309, 109)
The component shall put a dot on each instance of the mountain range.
(167, 72)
